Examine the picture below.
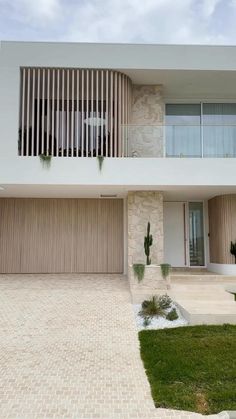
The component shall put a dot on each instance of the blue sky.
(140, 21)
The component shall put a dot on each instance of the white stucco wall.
(222, 269)
(136, 172)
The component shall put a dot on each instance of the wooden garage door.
(61, 235)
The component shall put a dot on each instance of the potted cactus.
(148, 240)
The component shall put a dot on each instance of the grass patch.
(191, 368)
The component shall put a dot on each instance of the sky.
(125, 21)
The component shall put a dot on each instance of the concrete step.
(221, 297)
(208, 312)
(210, 277)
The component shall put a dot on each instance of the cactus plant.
(233, 250)
(147, 244)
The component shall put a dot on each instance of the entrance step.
(200, 293)
(208, 312)
(204, 297)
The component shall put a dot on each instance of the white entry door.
(175, 234)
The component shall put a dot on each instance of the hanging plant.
(165, 270)
(100, 162)
(139, 269)
(45, 160)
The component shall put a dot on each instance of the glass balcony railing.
(180, 141)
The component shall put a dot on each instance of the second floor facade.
(155, 107)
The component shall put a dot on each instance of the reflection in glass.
(196, 234)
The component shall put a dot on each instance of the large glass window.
(193, 130)
(196, 234)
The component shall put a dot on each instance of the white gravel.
(158, 322)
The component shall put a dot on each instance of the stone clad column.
(144, 206)
(147, 116)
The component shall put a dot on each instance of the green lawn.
(191, 368)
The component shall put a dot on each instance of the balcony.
(86, 113)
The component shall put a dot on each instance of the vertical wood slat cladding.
(222, 227)
(73, 112)
(61, 235)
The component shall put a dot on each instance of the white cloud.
(151, 21)
(208, 7)
(37, 11)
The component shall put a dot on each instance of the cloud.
(208, 7)
(151, 21)
(36, 12)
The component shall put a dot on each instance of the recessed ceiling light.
(2, 188)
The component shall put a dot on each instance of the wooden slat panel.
(54, 95)
(222, 227)
(61, 235)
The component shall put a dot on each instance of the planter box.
(152, 283)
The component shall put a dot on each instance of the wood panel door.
(61, 235)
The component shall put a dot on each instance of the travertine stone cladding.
(147, 116)
(144, 206)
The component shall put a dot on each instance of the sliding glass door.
(201, 130)
(183, 130)
(219, 129)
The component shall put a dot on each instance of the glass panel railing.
(191, 141)
(183, 141)
(219, 140)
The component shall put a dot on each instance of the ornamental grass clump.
(151, 308)
(165, 270)
(139, 269)
(45, 160)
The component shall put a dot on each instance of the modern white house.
(136, 134)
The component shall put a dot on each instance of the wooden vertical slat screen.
(73, 112)
(61, 235)
(222, 227)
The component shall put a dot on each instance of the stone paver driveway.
(69, 349)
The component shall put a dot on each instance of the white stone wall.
(145, 135)
(144, 206)
(152, 283)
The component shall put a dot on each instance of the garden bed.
(159, 322)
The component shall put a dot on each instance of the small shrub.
(45, 160)
(139, 269)
(233, 250)
(172, 315)
(151, 308)
(164, 301)
(100, 162)
(146, 321)
(165, 269)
